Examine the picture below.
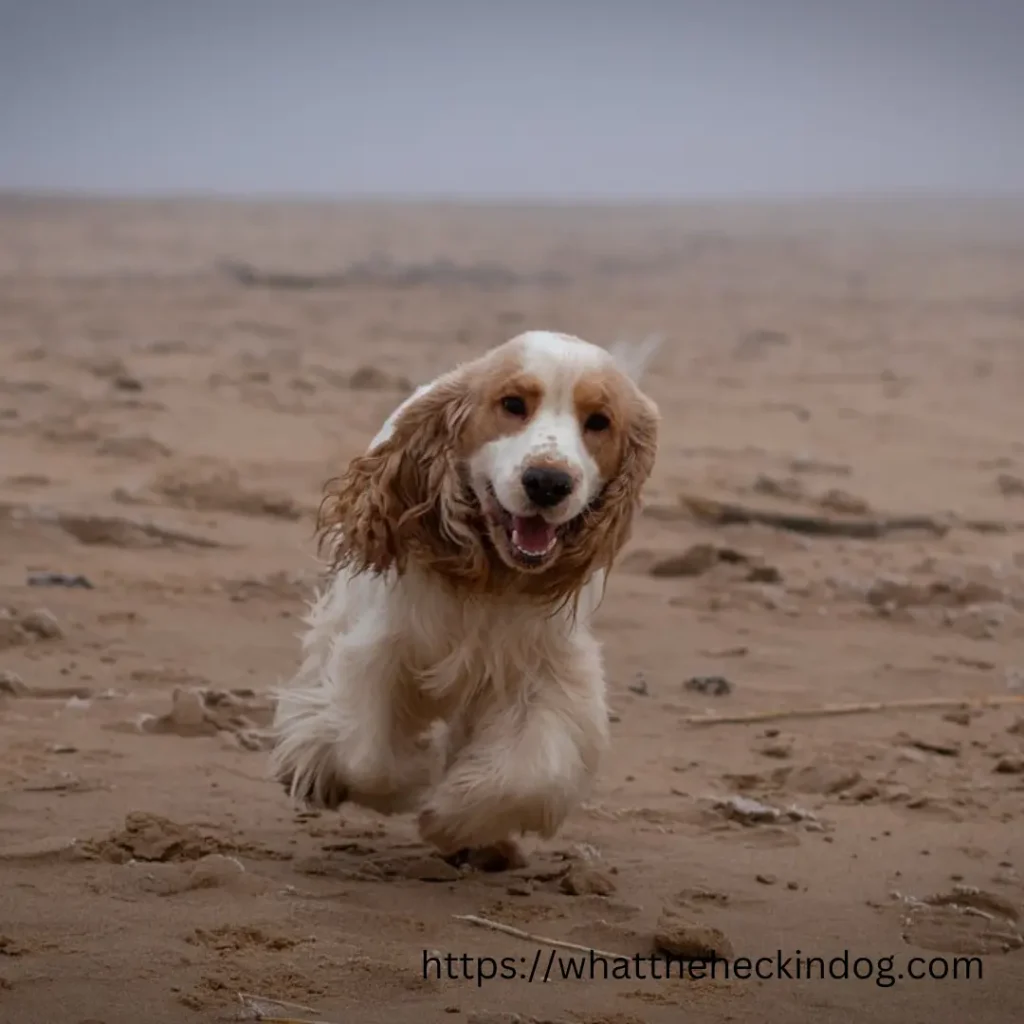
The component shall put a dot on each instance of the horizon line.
(910, 194)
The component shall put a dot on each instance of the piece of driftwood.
(113, 531)
(386, 274)
(12, 686)
(832, 710)
(266, 1010)
(251, 277)
(541, 940)
(726, 513)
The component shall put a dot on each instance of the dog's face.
(528, 461)
(551, 426)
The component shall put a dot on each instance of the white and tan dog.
(468, 549)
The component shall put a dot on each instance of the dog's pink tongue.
(533, 533)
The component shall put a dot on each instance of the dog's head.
(520, 470)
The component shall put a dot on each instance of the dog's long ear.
(634, 360)
(609, 522)
(404, 498)
(622, 496)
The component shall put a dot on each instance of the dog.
(449, 667)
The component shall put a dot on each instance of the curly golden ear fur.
(621, 499)
(606, 526)
(405, 498)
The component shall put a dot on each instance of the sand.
(168, 416)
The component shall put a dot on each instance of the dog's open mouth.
(531, 540)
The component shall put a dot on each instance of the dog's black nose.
(546, 487)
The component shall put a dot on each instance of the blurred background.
(570, 101)
(234, 236)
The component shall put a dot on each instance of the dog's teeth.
(532, 554)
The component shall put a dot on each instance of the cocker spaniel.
(450, 668)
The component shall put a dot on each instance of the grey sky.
(570, 98)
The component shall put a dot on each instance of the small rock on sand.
(688, 940)
(187, 717)
(584, 880)
(715, 686)
(42, 623)
(764, 574)
(202, 712)
(750, 812)
(777, 749)
(694, 561)
(958, 717)
(12, 684)
(786, 488)
(863, 792)
(11, 633)
(430, 869)
(825, 778)
(1010, 486)
(639, 686)
(843, 503)
(149, 837)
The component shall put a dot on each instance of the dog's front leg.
(348, 730)
(524, 767)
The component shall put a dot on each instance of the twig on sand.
(264, 1009)
(832, 710)
(259, 1004)
(287, 1020)
(542, 940)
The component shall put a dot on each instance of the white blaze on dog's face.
(555, 410)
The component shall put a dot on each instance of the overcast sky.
(604, 98)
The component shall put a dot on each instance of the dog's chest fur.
(445, 646)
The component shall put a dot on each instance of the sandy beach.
(836, 518)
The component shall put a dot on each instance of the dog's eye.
(513, 405)
(597, 421)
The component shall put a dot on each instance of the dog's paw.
(321, 786)
(506, 855)
(437, 832)
(317, 787)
